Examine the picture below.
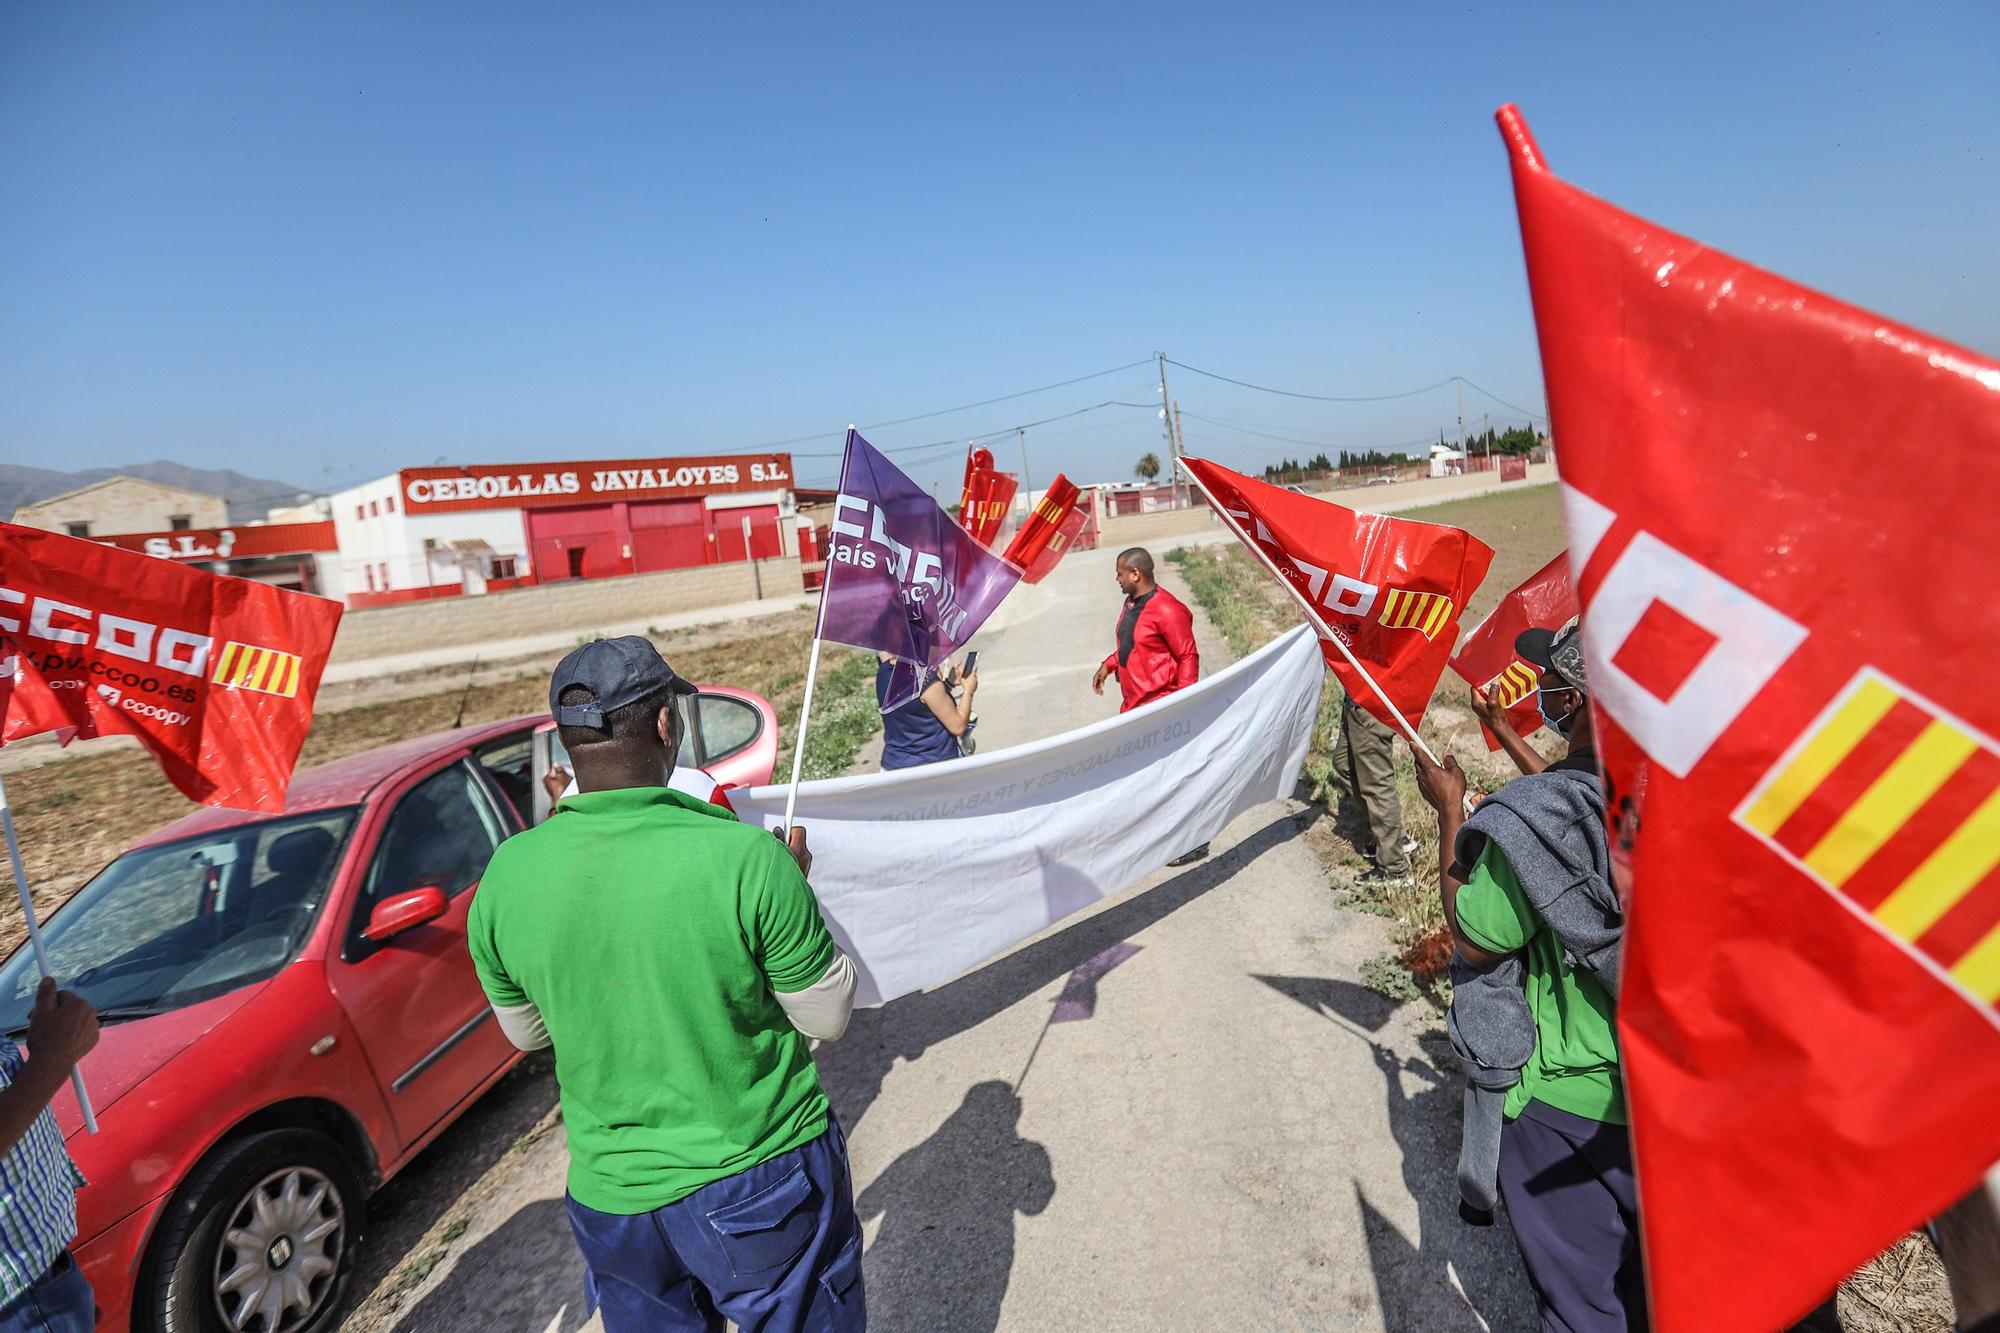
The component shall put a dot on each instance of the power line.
(947, 411)
(959, 442)
(1532, 416)
(1316, 397)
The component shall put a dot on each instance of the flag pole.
(812, 665)
(35, 941)
(1312, 613)
(805, 712)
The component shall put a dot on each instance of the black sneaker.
(1406, 844)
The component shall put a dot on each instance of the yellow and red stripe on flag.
(245, 666)
(1516, 683)
(1894, 806)
(1427, 612)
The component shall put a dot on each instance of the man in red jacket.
(1155, 654)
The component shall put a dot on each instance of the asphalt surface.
(1230, 1130)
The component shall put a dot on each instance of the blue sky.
(319, 241)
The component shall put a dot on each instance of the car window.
(440, 835)
(168, 926)
(727, 725)
(510, 763)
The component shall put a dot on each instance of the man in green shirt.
(1565, 1158)
(677, 961)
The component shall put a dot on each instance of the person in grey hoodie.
(1527, 894)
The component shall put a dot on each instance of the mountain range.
(249, 497)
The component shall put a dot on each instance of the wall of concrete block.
(574, 604)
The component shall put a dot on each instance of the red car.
(290, 1015)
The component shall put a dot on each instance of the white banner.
(925, 873)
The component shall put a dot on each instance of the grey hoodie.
(1550, 827)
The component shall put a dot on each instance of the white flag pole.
(805, 712)
(812, 663)
(1312, 614)
(35, 941)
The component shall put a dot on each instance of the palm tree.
(1149, 467)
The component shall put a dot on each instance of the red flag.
(990, 496)
(1487, 659)
(1391, 588)
(1044, 524)
(976, 460)
(1774, 502)
(215, 676)
(1067, 534)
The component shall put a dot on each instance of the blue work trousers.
(776, 1248)
(59, 1302)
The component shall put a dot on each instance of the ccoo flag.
(1767, 493)
(1487, 659)
(901, 576)
(1392, 588)
(1043, 529)
(215, 676)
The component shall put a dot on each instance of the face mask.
(1559, 725)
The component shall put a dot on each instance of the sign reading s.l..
(539, 485)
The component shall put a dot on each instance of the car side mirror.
(403, 912)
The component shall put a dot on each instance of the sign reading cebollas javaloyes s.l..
(433, 490)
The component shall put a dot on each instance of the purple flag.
(901, 576)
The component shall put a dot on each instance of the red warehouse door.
(764, 542)
(574, 543)
(667, 534)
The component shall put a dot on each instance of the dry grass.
(76, 814)
(1901, 1291)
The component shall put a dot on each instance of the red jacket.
(1163, 653)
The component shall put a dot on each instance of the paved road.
(1240, 1135)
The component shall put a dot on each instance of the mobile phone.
(972, 661)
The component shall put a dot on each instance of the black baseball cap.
(617, 672)
(1557, 650)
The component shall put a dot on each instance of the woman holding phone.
(930, 727)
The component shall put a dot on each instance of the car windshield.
(165, 927)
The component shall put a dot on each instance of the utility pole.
(1486, 420)
(1021, 435)
(1167, 421)
(1461, 418)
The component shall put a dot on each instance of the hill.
(249, 497)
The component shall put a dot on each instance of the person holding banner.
(930, 728)
(41, 1290)
(1528, 897)
(678, 962)
(1155, 653)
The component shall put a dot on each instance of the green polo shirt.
(1575, 1064)
(650, 930)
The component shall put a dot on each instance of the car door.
(413, 998)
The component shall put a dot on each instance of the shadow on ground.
(944, 1255)
(1455, 1274)
(525, 1275)
(945, 1251)
(410, 1205)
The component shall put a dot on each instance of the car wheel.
(260, 1239)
